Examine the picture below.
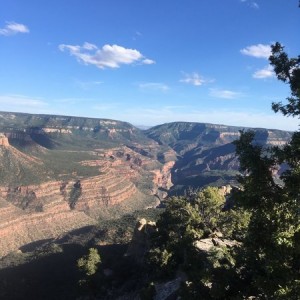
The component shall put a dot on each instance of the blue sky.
(147, 61)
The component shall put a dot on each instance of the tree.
(89, 263)
(265, 219)
(177, 228)
(270, 256)
(287, 70)
(188, 219)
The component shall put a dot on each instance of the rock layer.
(18, 228)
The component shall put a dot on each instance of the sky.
(147, 62)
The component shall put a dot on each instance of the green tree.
(287, 70)
(177, 228)
(89, 263)
(270, 257)
(265, 218)
(186, 220)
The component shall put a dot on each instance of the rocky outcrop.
(167, 290)
(163, 179)
(205, 245)
(224, 136)
(140, 241)
(225, 190)
(3, 140)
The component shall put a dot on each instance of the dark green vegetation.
(197, 238)
(272, 244)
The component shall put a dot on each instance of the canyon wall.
(30, 213)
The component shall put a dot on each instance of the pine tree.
(271, 257)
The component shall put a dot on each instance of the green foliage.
(209, 203)
(178, 227)
(269, 260)
(89, 263)
(268, 252)
(287, 70)
(75, 193)
(265, 219)
(186, 220)
(120, 230)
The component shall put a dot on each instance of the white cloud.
(89, 46)
(12, 28)
(224, 94)
(156, 86)
(250, 3)
(194, 79)
(109, 56)
(148, 61)
(258, 51)
(266, 72)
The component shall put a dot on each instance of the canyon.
(60, 173)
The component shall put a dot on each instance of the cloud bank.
(109, 56)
